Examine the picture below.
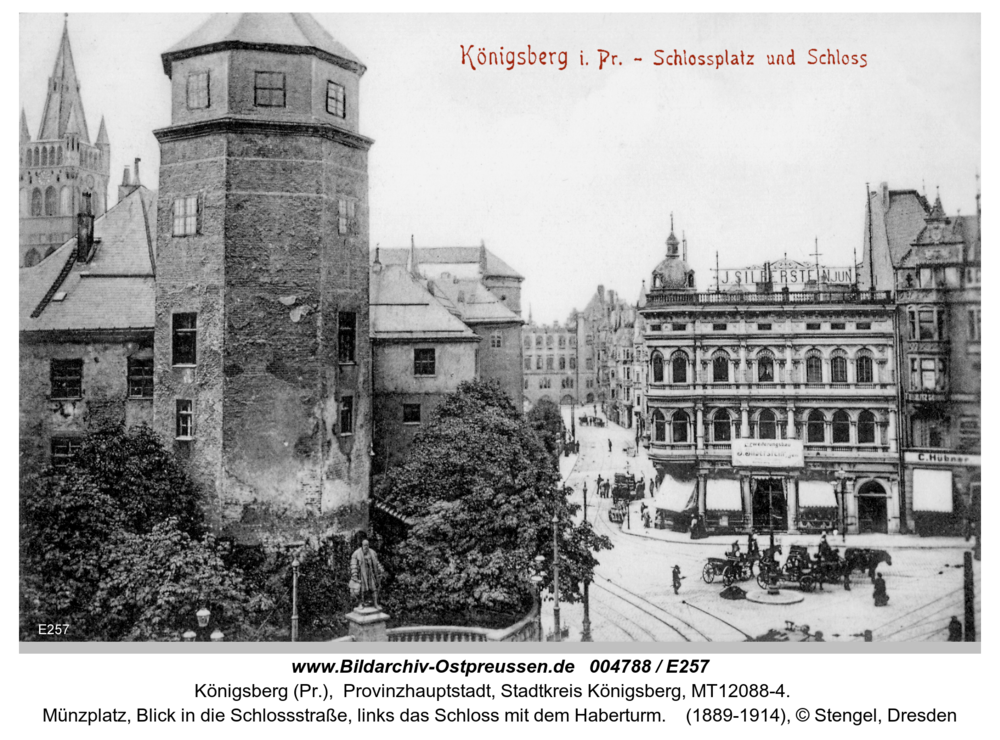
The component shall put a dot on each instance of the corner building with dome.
(770, 407)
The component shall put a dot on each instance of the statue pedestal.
(367, 624)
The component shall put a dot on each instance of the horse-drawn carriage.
(626, 489)
(591, 421)
(617, 513)
(731, 568)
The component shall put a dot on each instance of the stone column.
(747, 495)
(892, 508)
(790, 422)
(741, 375)
(699, 428)
(792, 503)
(851, 505)
(702, 494)
(744, 420)
(891, 431)
(788, 364)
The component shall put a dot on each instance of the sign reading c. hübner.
(768, 453)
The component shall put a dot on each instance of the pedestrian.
(646, 519)
(609, 445)
(599, 479)
(954, 630)
(847, 578)
(879, 594)
(677, 579)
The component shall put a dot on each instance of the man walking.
(677, 579)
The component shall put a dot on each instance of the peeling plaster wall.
(105, 391)
(268, 277)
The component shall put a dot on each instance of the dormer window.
(335, 100)
(269, 89)
(197, 91)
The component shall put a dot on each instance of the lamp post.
(537, 579)
(555, 578)
(295, 599)
(203, 616)
(842, 502)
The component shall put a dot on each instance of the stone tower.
(262, 342)
(60, 165)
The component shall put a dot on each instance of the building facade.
(933, 261)
(60, 165)
(772, 410)
(558, 362)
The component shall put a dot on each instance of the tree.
(481, 490)
(546, 419)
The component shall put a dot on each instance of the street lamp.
(537, 579)
(555, 578)
(295, 599)
(203, 616)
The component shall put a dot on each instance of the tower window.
(185, 338)
(66, 377)
(269, 89)
(347, 415)
(496, 339)
(345, 215)
(346, 336)
(185, 419)
(335, 100)
(186, 215)
(197, 90)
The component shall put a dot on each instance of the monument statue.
(366, 575)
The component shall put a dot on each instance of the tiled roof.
(495, 267)
(115, 290)
(904, 221)
(401, 308)
(261, 29)
(474, 301)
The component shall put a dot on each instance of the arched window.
(816, 427)
(59, 155)
(720, 369)
(838, 369)
(679, 425)
(657, 368)
(36, 202)
(814, 369)
(659, 427)
(866, 428)
(37, 160)
(27, 158)
(841, 428)
(865, 370)
(51, 201)
(679, 367)
(765, 369)
(31, 258)
(722, 429)
(45, 156)
(767, 426)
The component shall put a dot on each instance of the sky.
(571, 175)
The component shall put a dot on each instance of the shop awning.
(816, 493)
(724, 495)
(932, 490)
(675, 495)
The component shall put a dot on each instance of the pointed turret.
(102, 136)
(937, 211)
(25, 133)
(63, 102)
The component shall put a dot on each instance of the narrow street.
(632, 598)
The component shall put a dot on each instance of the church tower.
(262, 340)
(60, 165)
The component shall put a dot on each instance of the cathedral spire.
(25, 133)
(63, 100)
(102, 135)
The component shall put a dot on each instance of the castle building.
(60, 166)
(230, 310)
(933, 262)
(485, 293)
(558, 362)
(768, 409)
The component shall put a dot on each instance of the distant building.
(486, 293)
(558, 362)
(60, 165)
(771, 410)
(933, 261)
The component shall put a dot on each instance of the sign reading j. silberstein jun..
(768, 453)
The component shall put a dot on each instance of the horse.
(863, 558)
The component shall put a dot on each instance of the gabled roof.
(947, 231)
(285, 32)
(115, 290)
(63, 103)
(904, 221)
(474, 301)
(401, 308)
(495, 267)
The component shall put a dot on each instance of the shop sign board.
(768, 453)
(941, 458)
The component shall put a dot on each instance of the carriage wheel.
(763, 579)
(728, 576)
(747, 573)
(807, 583)
(708, 573)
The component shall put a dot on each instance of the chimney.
(600, 292)
(126, 187)
(84, 230)
(137, 182)
(884, 188)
